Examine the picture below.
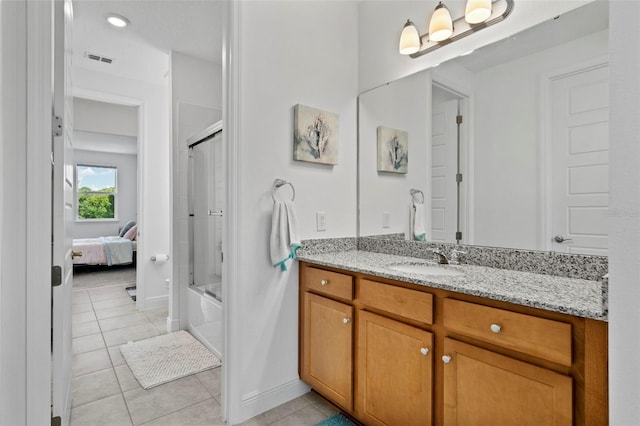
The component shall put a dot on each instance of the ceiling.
(157, 27)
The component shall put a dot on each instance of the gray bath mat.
(162, 359)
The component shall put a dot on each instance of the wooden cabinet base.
(375, 347)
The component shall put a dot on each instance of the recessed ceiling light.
(117, 20)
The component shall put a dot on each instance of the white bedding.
(104, 251)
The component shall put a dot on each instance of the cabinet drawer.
(539, 337)
(329, 283)
(411, 304)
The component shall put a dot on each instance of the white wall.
(127, 180)
(285, 60)
(380, 24)
(103, 117)
(405, 105)
(196, 96)
(624, 214)
(507, 135)
(154, 170)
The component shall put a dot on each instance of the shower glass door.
(205, 212)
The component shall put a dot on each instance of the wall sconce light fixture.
(478, 14)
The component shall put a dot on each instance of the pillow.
(126, 228)
(131, 233)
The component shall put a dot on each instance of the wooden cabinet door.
(327, 351)
(393, 372)
(485, 388)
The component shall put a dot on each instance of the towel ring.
(279, 183)
(415, 192)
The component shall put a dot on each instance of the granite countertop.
(583, 298)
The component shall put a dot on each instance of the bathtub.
(205, 319)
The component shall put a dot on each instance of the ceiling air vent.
(98, 58)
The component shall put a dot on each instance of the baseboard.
(173, 324)
(157, 302)
(257, 403)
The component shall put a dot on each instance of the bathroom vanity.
(391, 344)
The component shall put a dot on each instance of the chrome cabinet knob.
(324, 282)
(446, 359)
(496, 328)
(424, 351)
(346, 320)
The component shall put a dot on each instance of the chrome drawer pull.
(496, 328)
(446, 359)
(424, 351)
(324, 282)
(346, 320)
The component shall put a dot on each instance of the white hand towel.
(419, 233)
(284, 234)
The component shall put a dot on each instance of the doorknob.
(75, 254)
(561, 239)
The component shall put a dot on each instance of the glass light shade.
(477, 11)
(440, 25)
(409, 39)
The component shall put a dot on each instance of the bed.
(110, 250)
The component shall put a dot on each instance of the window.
(97, 192)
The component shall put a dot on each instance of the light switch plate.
(321, 221)
(386, 219)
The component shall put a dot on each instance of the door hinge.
(56, 126)
(458, 119)
(458, 235)
(458, 177)
(56, 421)
(56, 276)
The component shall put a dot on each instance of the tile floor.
(106, 393)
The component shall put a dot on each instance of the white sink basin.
(423, 269)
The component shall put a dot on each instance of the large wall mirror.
(526, 165)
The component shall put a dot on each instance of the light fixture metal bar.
(461, 28)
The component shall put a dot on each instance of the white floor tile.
(94, 386)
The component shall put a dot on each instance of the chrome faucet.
(440, 257)
(455, 256)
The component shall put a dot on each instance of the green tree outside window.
(97, 192)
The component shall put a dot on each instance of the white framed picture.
(315, 137)
(393, 150)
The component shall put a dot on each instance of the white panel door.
(444, 166)
(63, 212)
(580, 161)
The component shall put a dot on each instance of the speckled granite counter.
(583, 298)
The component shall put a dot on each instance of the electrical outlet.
(321, 221)
(386, 219)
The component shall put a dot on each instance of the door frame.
(231, 391)
(95, 95)
(467, 144)
(545, 118)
